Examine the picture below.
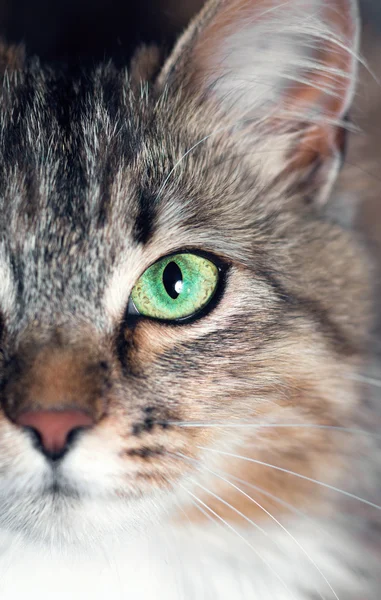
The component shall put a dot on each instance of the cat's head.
(168, 271)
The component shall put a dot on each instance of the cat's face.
(100, 179)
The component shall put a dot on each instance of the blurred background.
(90, 29)
(86, 31)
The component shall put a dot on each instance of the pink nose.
(55, 428)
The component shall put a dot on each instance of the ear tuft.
(145, 64)
(289, 65)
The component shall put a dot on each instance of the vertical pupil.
(172, 280)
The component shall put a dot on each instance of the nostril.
(56, 453)
(36, 437)
(54, 431)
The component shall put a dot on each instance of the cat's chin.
(60, 520)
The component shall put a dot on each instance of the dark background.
(88, 30)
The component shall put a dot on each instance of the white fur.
(110, 548)
(271, 49)
(175, 563)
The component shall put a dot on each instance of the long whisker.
(271, 516)
(299, 475)
(370, 380)
(256, 152)
(316, 66)
(231, 528)
(201, 141)
(268, 494)
(171, 543)
(245, 425)
(215, 132)
(280, 501)
(192, 531)
(286, 116)
(210, 518)
(238, 512)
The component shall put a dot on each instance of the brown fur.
(11, 57)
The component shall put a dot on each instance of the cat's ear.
(11, 57)
(289, 65)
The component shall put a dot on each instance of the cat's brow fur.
(101, 174)
(71, 144)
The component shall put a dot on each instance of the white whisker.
(238, 512)
(369, 380)
(185, 155)
(271, 516)
(283, 528)
(299, 475)
(280, 113)
(245, 425)
(215, 522)
(231, 528)
(281, 502)
(309, 65)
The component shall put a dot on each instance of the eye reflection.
(173, 280)
(175, 287)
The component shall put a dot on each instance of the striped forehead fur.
(91, 154)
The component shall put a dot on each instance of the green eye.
(175, 287)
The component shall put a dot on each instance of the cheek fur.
(242, 365)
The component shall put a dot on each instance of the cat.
(184, 323)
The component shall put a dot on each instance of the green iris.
(175, 287)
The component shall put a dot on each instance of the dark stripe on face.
(107, 177)
(277, 287)
(18, 274)
(320, 315)
(145, 220)
(331, 330)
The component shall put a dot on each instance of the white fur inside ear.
(256, 69)
(259, 60)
